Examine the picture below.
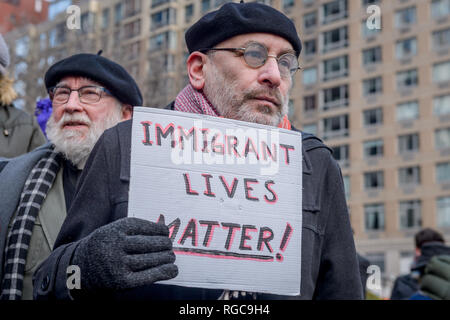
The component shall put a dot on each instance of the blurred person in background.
(428, 243)
(89, 94)
(20, 132)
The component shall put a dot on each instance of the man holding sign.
(242, 60)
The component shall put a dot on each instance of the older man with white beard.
(89, 94)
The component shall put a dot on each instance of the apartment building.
(375, 86)
(380, 97)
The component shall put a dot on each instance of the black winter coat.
(329, 262)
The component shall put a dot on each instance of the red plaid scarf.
(194, 101)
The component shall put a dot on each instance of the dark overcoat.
(329, 267)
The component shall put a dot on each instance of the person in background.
(89, 94)
(434, 283)
(20, 132)
(428, 243)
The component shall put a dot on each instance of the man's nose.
(73, 104)
(270, 73)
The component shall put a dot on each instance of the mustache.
(273, 95)
(75, 118)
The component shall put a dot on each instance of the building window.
(347, 187)
(441, 72)
(443, 212)
(163, 18)
(156, 3)
(406, 48)
(118, 13)
(309, 76)
(105, 18)
(407, 111)
(288, 4)
(309, 103)
(372, 86)
(407, 79)
(133, 51)
(369, 2)
(335, 68)
(206, 5)
(310, 47)
(410, 214)
(441, 105)
(443, 172)
(372, 56)
(188, 13)
(408, 143)
(335, 39)
(440, 9)
(310, 128)
(373, 148)
(409, 176)
(374, 217)
(162, 41)
(368, 32)
(373, 180)
(442, 138)
(441, 39)
(373, 117)
(132, 7)
(404, 18)
(335, 127)
(132, 29)
(334, 10)
(335, 97)
(341, 155)
(309, 20)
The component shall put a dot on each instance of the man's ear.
(195, 67)
(127, 112)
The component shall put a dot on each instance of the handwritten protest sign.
(230, 192)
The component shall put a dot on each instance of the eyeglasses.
(256, 55)
(86, 94)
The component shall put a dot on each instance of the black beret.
(233, 19)
(97, 68)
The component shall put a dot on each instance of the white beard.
(230, 101)
(74, 145)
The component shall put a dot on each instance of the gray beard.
(74, 145)
(221, 92)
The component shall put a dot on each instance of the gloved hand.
(124, 254)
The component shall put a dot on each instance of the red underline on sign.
(222, 254)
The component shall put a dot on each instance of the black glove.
(126, 253)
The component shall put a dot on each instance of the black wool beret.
(233, 19)
(97, 68)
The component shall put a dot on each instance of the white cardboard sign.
(231, 194)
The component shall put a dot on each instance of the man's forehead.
(271, 41)
(80, 81)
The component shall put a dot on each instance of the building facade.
(16, 13)
(375, 86)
